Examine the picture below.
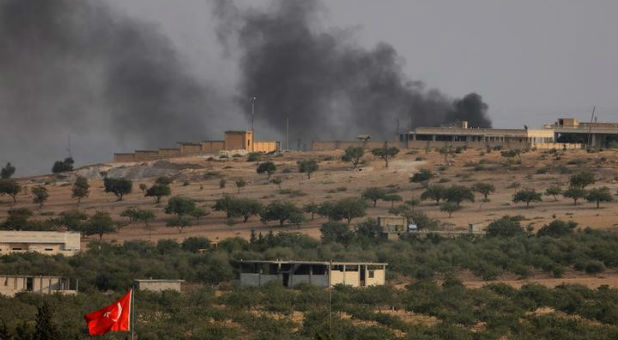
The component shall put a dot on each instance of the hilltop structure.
(241, 141)
(565, 133)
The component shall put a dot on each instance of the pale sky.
(532, 61)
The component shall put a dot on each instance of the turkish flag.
(115, 317)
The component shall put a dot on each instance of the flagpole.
(132, 313)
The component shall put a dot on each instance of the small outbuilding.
(158, 285)
(319, 273)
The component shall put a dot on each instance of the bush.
(593, 267)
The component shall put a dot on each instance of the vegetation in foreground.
(434, 303)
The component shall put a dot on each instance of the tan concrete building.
(13, 284)
(393, 226)
(158, 285)
(232, 141)
(319, 273)
(44, 242)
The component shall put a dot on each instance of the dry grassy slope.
(336, 174)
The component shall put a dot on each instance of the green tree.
(248, 207)
(99, 224)
(392, 198)
(354, 154)
(484, 189)
(7, 171)
(179, 222)
(385, 153)
(458, 193)
(450, 208)
(118, 186)
(422, 176)
(505, 227)
(240, 183)
(527, 195)
(180, 206)
(157, 191)
(553, 190)
(198, 213)
(336, 232)
(598, 195)
(348, 209)
(311, 208)
(39, 195)
(228, 204)
(268, 168)
(17, 219)
(45, 328)
(557, 228)
(582, 179)
(143, 187)
(73, 220)
(280, 211)
(308, 166)
(374, 194)
(80, 189)
(63, 166)
(434, 192)
(575, 193)
(10, 187)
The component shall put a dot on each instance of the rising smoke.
(116, 83)
(111, 81)
(328, 85)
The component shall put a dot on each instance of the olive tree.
(118, 186)
(268, 168)
(385, 153)
(598, 195)
(80, 189)
(527, 195)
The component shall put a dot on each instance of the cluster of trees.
(505, 311)
(576, 190)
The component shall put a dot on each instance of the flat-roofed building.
(44, 242)
(158, 285)
(13, 284)
(257, 273)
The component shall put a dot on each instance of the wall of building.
(168, 153)
(238, 140)
(342, 145)
(351, 278)
(159, 285)
(45, 242)
(379, 276)
(316, 280)
(124, 157)
(265, 146)
(146, 155)
(190, 148)
(257, 279)
(11, 285)
(212, 146)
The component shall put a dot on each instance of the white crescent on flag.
(119, 312)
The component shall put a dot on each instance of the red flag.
(115, 317)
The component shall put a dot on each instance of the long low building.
(232, 141)
(565, 133)
(44, 242)
(13, 284)
(256, 273)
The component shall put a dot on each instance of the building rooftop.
(311, 262)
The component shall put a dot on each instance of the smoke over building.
(328, 85)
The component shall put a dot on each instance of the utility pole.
(252, 111)
(252, 119)
(590, 126)
(287, 132)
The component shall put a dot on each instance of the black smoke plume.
(79, 67)
(326, 84)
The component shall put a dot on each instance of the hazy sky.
(530, 60)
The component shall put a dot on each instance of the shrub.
(594, 266)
